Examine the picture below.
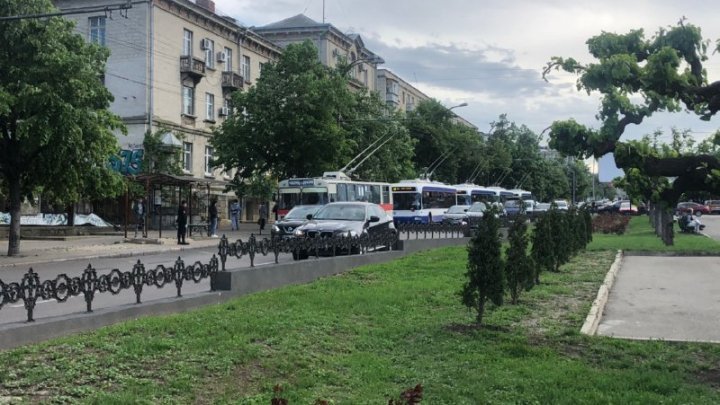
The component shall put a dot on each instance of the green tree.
(637, 77)
(158, 157)
(54, 116)
(485, 267)
(448, 150)
(543, 249)
(301, 119)
(519, 266)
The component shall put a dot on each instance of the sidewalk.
(91, 247)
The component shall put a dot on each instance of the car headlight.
(276, 228)
(299, 233)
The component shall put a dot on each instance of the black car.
(351, 219)
(285, 227)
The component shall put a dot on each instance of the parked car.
(513, 207)
(540, 209)
(698, 209)
(456, 214)
(713, 206)
(343, 218)
(626, 208)
(297, 216)
(562, 205)
(609, 208)
(477, 210)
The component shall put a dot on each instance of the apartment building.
(173, 64)
(333, 46)
(397, 92)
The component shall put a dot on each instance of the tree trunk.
(480, 309)
(70, 213)
(15, 200)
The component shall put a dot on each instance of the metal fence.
(89, 284)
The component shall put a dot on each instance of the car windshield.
(406, 201)
(457, 209)
(341, 212)
(542, 206)
(477, 207)
(301, 212)
(512, 204)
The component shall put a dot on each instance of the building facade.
(333, 47)
(173, 65)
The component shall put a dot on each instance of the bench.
(203, 226)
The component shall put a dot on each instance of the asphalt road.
(670, 298)
(11, 313)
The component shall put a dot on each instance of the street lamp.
(459, 105)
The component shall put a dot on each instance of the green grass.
(641, 237)
(363, 337)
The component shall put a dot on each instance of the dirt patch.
(244, 380)
(710, 377)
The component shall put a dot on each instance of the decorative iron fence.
(331, 245)
(89, 284)
(435, 230)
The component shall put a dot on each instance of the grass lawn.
(641, 237)
(364, 337)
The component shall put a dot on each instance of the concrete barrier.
(231, 283)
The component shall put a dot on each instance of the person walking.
(235, 211)
(181, 220)
(213, 217)
(263, 212)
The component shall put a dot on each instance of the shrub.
(610, 223)
(519, 267)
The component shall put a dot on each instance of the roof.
(173, 180)
(298, 21)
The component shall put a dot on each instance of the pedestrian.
(263, 211)
(139, 212)
(275, 211)
(213, 219)
(181, 221)
(235, 210)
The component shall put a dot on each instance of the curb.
(103, 256)
(592, 321)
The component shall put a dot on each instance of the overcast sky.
(490, 54)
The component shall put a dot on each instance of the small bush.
(610, 223)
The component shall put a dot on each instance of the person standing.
(213, 216)
(139, 211)
(181, 220)
(235, 211)
(263, 212)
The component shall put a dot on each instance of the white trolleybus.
(331, 187)
(467, 194)
(421, 201)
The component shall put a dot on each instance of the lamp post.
(457, 106)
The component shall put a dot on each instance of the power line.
(80, 10)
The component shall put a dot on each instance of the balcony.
(231, 81)
(192, 67)
(392, 98)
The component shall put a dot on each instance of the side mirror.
(309, 216)
(374, 218)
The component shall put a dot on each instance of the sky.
(490, 54)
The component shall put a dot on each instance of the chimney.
(206, 4)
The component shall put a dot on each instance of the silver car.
(456, 214)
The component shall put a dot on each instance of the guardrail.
(89, 284)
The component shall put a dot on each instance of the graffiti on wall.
(128, 162)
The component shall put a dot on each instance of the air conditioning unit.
(224, 111)
(222, 57)
(204, 44)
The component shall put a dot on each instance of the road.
(11, 313)
(712, 226)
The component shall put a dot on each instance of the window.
(97, 30)
(187, 156)
(227, 104)
(245, 66)
(187, 43)
(208, 160)
(260, 67)
(228, 60)
(209, 107)
(188, 100)
(209, 53)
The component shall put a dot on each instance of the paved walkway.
(669, 298)
(90, 247)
